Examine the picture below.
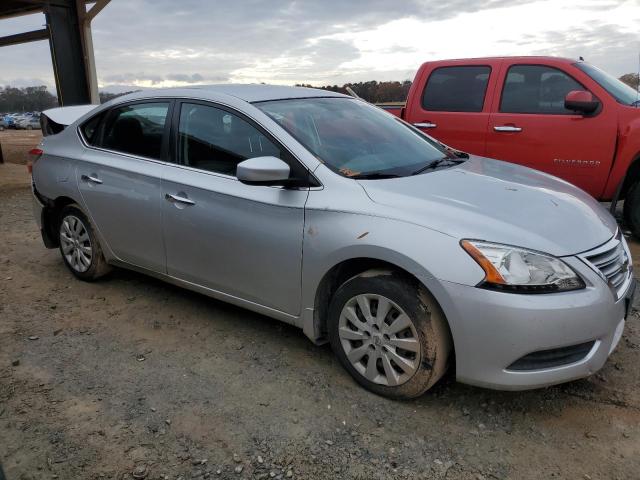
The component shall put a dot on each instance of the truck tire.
(632, 209)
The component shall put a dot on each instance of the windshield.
(354, 138)
(622, 92)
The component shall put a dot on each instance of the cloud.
(599, 43)
(185, 78)
(163, 42)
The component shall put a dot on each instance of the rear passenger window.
(456, 89)
(536, 89)
(136, 129)
(215, 140)
(90, 129)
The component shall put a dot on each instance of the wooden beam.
(18, 38)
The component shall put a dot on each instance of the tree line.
(373, 91)
(36, 99)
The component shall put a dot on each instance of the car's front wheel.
(79, 245)
(389, 333)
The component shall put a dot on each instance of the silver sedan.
(330, 214)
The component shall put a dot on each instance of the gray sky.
(178, 42)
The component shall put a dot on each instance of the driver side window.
(216, 140)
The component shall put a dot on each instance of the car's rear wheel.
(79, 245)
(389, 333)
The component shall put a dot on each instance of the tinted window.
(136, 129)
(456, 89)
(90, 129)
(215, 140)
(536, 89)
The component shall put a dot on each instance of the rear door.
(119, 179)
(531, 127)
(454, 105)
(244, 241)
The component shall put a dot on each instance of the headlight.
(514, 269)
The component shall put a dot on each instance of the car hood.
(497, 201)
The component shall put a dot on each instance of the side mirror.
(263, 171)
(581, 101)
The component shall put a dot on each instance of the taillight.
(36, 153)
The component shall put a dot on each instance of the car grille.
(611, 261)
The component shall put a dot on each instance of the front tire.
(79, 245)
(631, 210)
(389, 333)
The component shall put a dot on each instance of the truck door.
(454, 104)
(530, 126)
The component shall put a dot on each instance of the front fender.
(331, 238)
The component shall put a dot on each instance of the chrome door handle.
(91, 178)
(507, 128)
(425, 125)
(177, 198)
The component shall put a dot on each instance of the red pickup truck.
(561, 116)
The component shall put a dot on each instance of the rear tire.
(389, 333)
(632, 209)
(79, 245)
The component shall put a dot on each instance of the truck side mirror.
(581, 101)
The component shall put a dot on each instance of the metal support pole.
(87, 40)
(67, 53)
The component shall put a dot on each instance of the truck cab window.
(536, 89)
(456, 89)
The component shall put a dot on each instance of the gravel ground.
(134, 378)
(16, 144)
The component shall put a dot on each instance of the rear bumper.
(39, 214)
(492, 330)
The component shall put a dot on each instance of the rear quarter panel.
(54, 171)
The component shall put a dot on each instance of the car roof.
(249, 93)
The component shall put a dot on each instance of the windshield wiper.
(374, 176)
(436, 163)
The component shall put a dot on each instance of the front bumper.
(492, 330)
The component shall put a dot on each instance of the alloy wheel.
(75, 243)
(379, 339)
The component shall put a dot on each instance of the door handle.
(425, 125)
(179, 199)
(507, 128)
(91, 178)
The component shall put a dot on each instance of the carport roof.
(14, 8)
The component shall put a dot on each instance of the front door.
(119, 180)
(531, 127)
(240, 240)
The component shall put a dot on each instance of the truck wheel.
(389, 333)
(632, 209)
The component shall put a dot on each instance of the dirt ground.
(16, 144)
(134, 378)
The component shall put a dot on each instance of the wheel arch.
(316, 326)
(631, 177)
(51, 217)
